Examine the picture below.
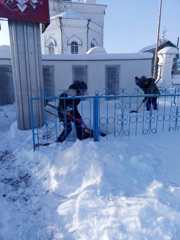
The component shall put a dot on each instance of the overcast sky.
(131, 25)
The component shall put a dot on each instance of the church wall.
(52, 33)
(75, 30)
(55, 7)
(74, 22)
(95, 12)
(96, 79)
(96, 68)
(95, 33)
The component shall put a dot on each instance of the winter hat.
(78, 86)
(143, 77)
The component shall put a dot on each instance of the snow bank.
(126, 188)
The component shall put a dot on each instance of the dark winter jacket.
(150, 86)
(69, 104)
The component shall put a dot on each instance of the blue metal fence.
(112, 115)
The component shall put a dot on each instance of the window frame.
(76, 78)
(114, 89)
(74, 47)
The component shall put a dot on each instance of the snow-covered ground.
(124, 189)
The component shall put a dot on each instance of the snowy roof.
(98, 56)
(79, 2)
(163, 43)
(96, 50)
(69, 14)
(95, 54)
(168, 50)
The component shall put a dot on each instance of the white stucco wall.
(74, 22)
(95, 12)
(74, 29)
(131, 65)
(96, 32)
(52, 32)
(55, 7)
(166, 56)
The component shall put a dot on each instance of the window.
(80, 73)
(51, 49)
(48, 77)
(51, 45)
(94, 43)
(74, 47)
(112, 80)
(176, 65)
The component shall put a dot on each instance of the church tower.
(75, 27)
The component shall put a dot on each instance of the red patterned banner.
(25, 10)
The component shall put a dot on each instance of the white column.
(27, 71)
(166, 57)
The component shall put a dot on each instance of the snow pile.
(112, 193)
(126, 188)
(7, 116)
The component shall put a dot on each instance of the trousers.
(69, 117)
(151, 102)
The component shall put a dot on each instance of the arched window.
(94, 43)
(51, 48)
(176, 65)
(74, 47)
(51, 44)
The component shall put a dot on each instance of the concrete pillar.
(27, 71)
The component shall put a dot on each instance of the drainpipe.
(61, 29)
(88, 23)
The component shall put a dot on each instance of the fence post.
(96, 117)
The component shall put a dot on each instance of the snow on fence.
(118, 116)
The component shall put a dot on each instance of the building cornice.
(85, 4)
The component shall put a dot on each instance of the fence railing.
(122, 115)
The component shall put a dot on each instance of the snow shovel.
(138, 108)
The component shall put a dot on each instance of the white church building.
(73, 49)
(75, 27)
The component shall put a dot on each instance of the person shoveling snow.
(148, 85)
(68, 113)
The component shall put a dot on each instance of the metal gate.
(118, 115)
